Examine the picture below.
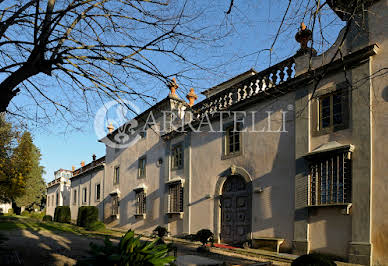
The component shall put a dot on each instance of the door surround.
(232, 170)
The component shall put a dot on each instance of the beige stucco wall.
(378, 32)
(268, 157)
(87, 180)
(127, 159)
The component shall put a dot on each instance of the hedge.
(87, 215)
(62, 214)
(47, 218)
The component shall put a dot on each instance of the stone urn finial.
(172, 85)
(191, 96)
(303, 36)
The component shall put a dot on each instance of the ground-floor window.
(140, 202)
(74, 197)
(115, 205)
(330, 179)
(175, 197)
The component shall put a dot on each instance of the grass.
(12, 222)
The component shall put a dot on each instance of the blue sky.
(252, 27)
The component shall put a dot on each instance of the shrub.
(37, 215)
(160, 231)
(10, 211)
(87, 215)
(25, 213)
(130, 251)
(205, 236)
(47, 218)
(62, 214)
(313, 259)
(95, 226)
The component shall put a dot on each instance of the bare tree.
(94, 47)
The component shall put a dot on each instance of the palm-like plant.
(130, 251)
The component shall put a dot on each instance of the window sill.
(171, 214)
(344, 207)
(141, 215)
(230, 155)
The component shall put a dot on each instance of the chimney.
(172, 85)
(111, 128)
(94, 157)
(73, 168)
(191, 96)
(82, 163)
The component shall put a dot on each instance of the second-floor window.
(330, 180)
(98, 192)
(75, 197)
(142, 167)
(175, 197)
(116, 177)
(177, 156)
(84, 195)
(233, 140)
(140, 202)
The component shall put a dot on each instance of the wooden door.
(235, 210)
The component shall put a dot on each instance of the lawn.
(10, 222)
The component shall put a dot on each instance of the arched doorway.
(236, 209)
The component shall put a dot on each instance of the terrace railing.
(255, 85)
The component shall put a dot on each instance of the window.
(330, 180)
(84, 195)
(142, 167)
(175, 197)
(57, 200)
(75, 197)
(232, 140)
(98, 192)
(140, 202)
(116, 178)
(48, 201)
(330, 111)
(115, 205)
(52, 200)
(177, 156)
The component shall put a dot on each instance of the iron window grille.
(175, 197)
(140, 202)
(330, 180)
(115, 205)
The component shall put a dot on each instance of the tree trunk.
(8, 88)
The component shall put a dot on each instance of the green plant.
(87, 215)
(205, 236)
(130, 251)
(47, 218)
(37, 215)
(62, 214)
(160, 231)
(313, 259)
(95, 226)
(25, 213)
(10, 211)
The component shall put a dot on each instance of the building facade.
(87, 187)
(58, 191)
(293, 154)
